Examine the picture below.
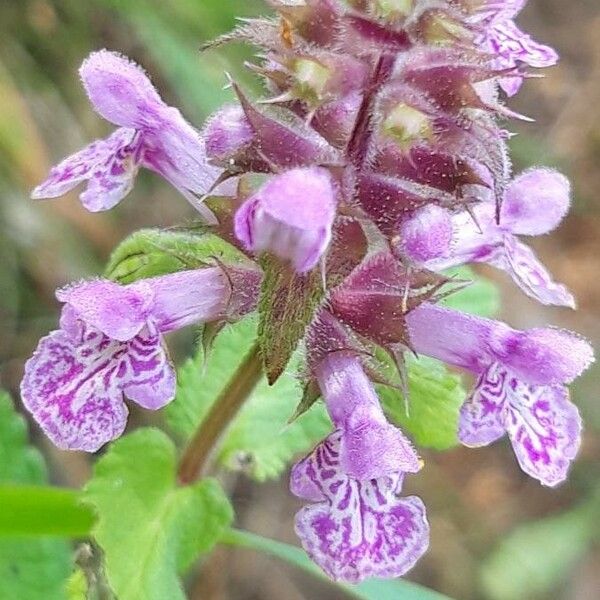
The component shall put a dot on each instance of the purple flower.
(507, 43)
(427, 234)
(358, 526)
(521, 387)
(291, 216)
(534, 203)
(110, 344)
(151, 135)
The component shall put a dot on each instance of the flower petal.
(120, 90)
(112, 179)
(512, 46)
(483, 415)
(79, 166)
(535, 202)
(71, 391)
(118, 311)
(543, 425)
(427, 234)
(149, 371)
(531, 276)
(545, 430)
(372, 449)
(362, 528)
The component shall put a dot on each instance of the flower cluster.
(376, 158)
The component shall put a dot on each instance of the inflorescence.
(377, 161)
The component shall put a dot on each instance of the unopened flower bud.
(407, 125)
(290, 216)
(427, 234)
(227, 133)
(393, 9)
(311, 78)
(440, 27)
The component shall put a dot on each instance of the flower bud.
(427, 234)
(406, 126)
(441, 28)
(393, 9)
(291, 216)
(227, 133)
(311, 78)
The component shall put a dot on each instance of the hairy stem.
(220, 415)
(356, 150)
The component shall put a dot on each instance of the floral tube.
(520, 388)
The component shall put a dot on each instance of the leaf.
(36, 510)
(531, 561)
(152, 252)
(35, 569)
(481, 298)
(148, 528)
(435, 398)
(77, 586)
(375, 589)
(259, 440)
(286, 306)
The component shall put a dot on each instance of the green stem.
(220, 415)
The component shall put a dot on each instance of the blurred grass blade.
(375, 589)
(537, 557)
(40, 510)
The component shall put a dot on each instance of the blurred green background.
(496, 535)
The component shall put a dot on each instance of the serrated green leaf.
(286, 306)
(481, 297)
(35, 569)
(259, 440)
(532, 560)
(152, 252)
(149, 528)
(374, 589)
(435, 398)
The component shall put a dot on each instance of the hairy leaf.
(259, 440)
(152, 252)
(286, 306)
(31, 568)
(148, 528)
(435, 398)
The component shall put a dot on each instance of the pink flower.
(291, 216)
(110, 345)
(150, 134)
